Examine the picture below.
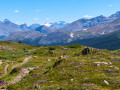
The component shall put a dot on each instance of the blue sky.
(41, 11)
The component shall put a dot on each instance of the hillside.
(109, 41)
(27, 37)
(106, 28)
(25, 67)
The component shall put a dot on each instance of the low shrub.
(31, 72)
(74, 46)
(15, 70)
(20, 61)
(38, 52)
(52, 48)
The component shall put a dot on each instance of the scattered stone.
(106, 82)
(51, 52)
(96, 65)
(110, 63)
(61, 57)
(13, 62)
(116, 68)
(71, 79)
(36, 67)
(35, 56)
(85, 51)
(106, 63)
(87, 85)
(110, 66)
(36, 86)
(92, 49)
(48, 60)
(65, 49)
(31, 68)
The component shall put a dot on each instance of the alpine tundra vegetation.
(26, 67)
(59, 44)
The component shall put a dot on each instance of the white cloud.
(47, 18)
(110, 5)
(16, 11)
(87, 16)
(36, 19)
(38, 10)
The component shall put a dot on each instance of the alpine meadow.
(59, 45)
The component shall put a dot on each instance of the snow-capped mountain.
(59, 24)
(56, 25)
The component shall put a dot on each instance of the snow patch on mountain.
(71, 35)
(47, 24)
(84, 29)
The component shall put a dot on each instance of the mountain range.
(7, 27)
(83, 24)
(89, 32)
(109, 41)
(45, 29)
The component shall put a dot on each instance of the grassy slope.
(109, 41)
(70, 72)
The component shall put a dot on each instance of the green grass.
(72, 72)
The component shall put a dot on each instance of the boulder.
(85, 51)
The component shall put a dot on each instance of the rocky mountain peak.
(6, 21)
(115, 16)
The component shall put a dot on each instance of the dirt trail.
(1, 62)
(6, 69)
(19, 64)
(23, 72)
(118, 57)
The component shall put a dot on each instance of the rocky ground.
(73, 67)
